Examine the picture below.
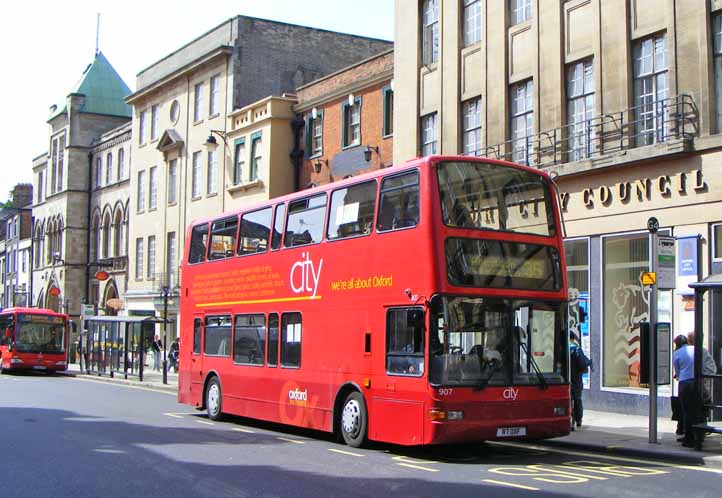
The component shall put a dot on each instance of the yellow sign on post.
(649, 278)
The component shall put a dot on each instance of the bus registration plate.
(39, 367)
(510, 431)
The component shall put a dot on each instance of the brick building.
(15, 231)
(348, 121)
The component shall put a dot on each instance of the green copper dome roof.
(104, 90)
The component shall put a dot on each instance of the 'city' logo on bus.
(304, 276)
(510, 393)
(298, 397)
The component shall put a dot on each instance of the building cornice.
(223, 50)
(340, 92)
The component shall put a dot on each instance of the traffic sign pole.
(653, 226)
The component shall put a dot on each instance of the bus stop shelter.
(708, 385)
(116, 345)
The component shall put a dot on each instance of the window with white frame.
(717, 47)
(172, 181)
(215, 96)
(240, 161)
(256, 157)
(151, 257)
(141, 191)
(109, 168)
(352, 123)
(153, 187)
(141, 127)
(170, 264)
(196, 176)
(519, 11)
(121, 164)
(471, 115)
(98, 171)
(154, 122)
(388, 95)
(580, 109)
(316, 128)
(41, 184)
(430, 30)
(139, 258)
(212, 177)
(472, 22)
(428, 134)
(198, 102)
(522, 121)
(651, 88)
(717, 242)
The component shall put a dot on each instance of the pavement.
(605, 432)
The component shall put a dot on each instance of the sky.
(46, 46)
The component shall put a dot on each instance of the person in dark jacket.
(578, 366)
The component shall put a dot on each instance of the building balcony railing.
(665, 120)
(170, 280)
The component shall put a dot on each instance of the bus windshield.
(40, 334)
(495, 197)
(481, 342)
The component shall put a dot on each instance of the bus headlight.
(16, 361)
(560, 411)
(60, 363)
(455, 415)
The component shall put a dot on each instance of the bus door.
(401, 406)
(7, 334)
(196, 360)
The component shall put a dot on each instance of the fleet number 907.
(445, 391)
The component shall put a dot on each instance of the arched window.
(59, 238)
(98, 172)
(109, 168)
(121, 164)
(117, 232)
(95, 238)
(49, 242)
(106, 236)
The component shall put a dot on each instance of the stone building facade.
(16, 249)
(348, 121)
(204, 89)
(62, 185)
(621, 100)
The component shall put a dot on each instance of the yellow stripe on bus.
(259, 301)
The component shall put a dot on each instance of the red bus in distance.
(419, 304)
(33, 339)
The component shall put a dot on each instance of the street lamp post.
(165, 291)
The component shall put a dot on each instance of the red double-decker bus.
(419, 304)
(33, 339)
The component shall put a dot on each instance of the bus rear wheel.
(214, 403)
(354, 420)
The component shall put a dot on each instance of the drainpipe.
(298, 151)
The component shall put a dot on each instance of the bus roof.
(32, 311)
(418, 162)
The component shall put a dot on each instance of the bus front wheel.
(354, 420)
(214, 403)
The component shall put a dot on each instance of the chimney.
(22, 195)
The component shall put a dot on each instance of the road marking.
(502, 483)
(412, 460)
(609, 457)
(243, 430)
(419, 467)
(290, 440)
(174, 415)
(204, 422)
(345, 452)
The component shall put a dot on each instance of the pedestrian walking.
(156, 347)
(578, 366)
(679, 342)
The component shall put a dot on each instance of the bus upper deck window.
(199, 244)
(399, 206)
(223, 238)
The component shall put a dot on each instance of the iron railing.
(664, 120)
